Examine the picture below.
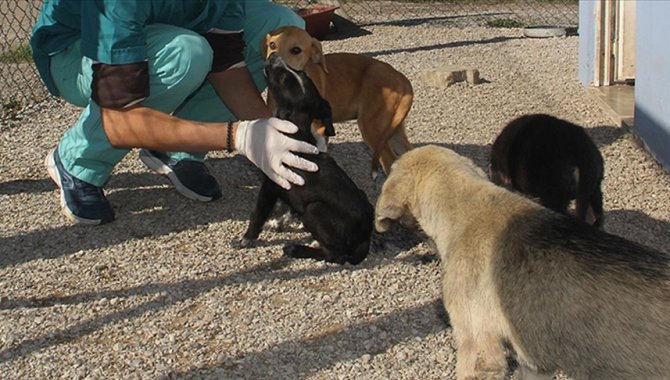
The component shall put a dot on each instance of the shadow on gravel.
(606, 134)
(446, 45)
(29, 186)
(147, 206)
(333, 344)
(639, 227)
(343, 28)
(167, 294)
(479, 154)
(141, 213)
(437, 20)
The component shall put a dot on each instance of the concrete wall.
(652, 78)
(652, 71)
(587, 41)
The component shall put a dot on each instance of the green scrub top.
(113, 31)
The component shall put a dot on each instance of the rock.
(446, 76)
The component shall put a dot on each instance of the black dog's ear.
(330, 129)
(325, 114)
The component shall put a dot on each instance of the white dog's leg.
(483, 359)
(480, 360)
(466, 359)
(525, 372)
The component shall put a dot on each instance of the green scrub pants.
(179, 61)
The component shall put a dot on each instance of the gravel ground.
(162, 293)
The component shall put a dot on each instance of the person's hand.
(264, 144)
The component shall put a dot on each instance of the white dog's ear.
(317, 54)
(385, 215)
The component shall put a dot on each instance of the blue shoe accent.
(82, 202)
(191, 178)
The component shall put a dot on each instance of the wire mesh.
(20, 84)
(454, 13)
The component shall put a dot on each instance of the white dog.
(557, 292)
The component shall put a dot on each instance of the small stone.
(446, 76)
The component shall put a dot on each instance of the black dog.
(552, 160)
(330, 205)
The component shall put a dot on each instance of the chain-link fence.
(453, 13)
(19, 83)
(20, 86)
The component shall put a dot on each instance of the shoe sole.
(55, 176)
(159, 167)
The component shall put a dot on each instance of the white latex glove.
(264, 144)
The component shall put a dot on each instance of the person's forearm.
(144, 127)
(238, 91)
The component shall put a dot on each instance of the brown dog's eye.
(273, 45)
(296, 50)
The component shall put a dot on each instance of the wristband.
(229, 137)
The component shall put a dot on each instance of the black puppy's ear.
(326, 116)
(330, 129)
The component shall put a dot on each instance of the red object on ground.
(317, 19)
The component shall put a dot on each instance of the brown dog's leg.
(375, 128)
(384, 131)
(399, 142)
(397, 145)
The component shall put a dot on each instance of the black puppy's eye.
(296, 50)
(273, 45)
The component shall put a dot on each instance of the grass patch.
(505, 23)
(22, 54)
(9, 108)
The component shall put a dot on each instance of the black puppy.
(552, 160)
(330, 205)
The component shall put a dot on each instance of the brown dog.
(561, 294)
(355, 86)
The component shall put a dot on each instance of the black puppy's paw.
(292, 250)
(244, 242)
(298, 251)
(312, 250)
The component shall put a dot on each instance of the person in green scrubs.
(176, 78)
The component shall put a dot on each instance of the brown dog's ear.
(317, 54)
(264, 47)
